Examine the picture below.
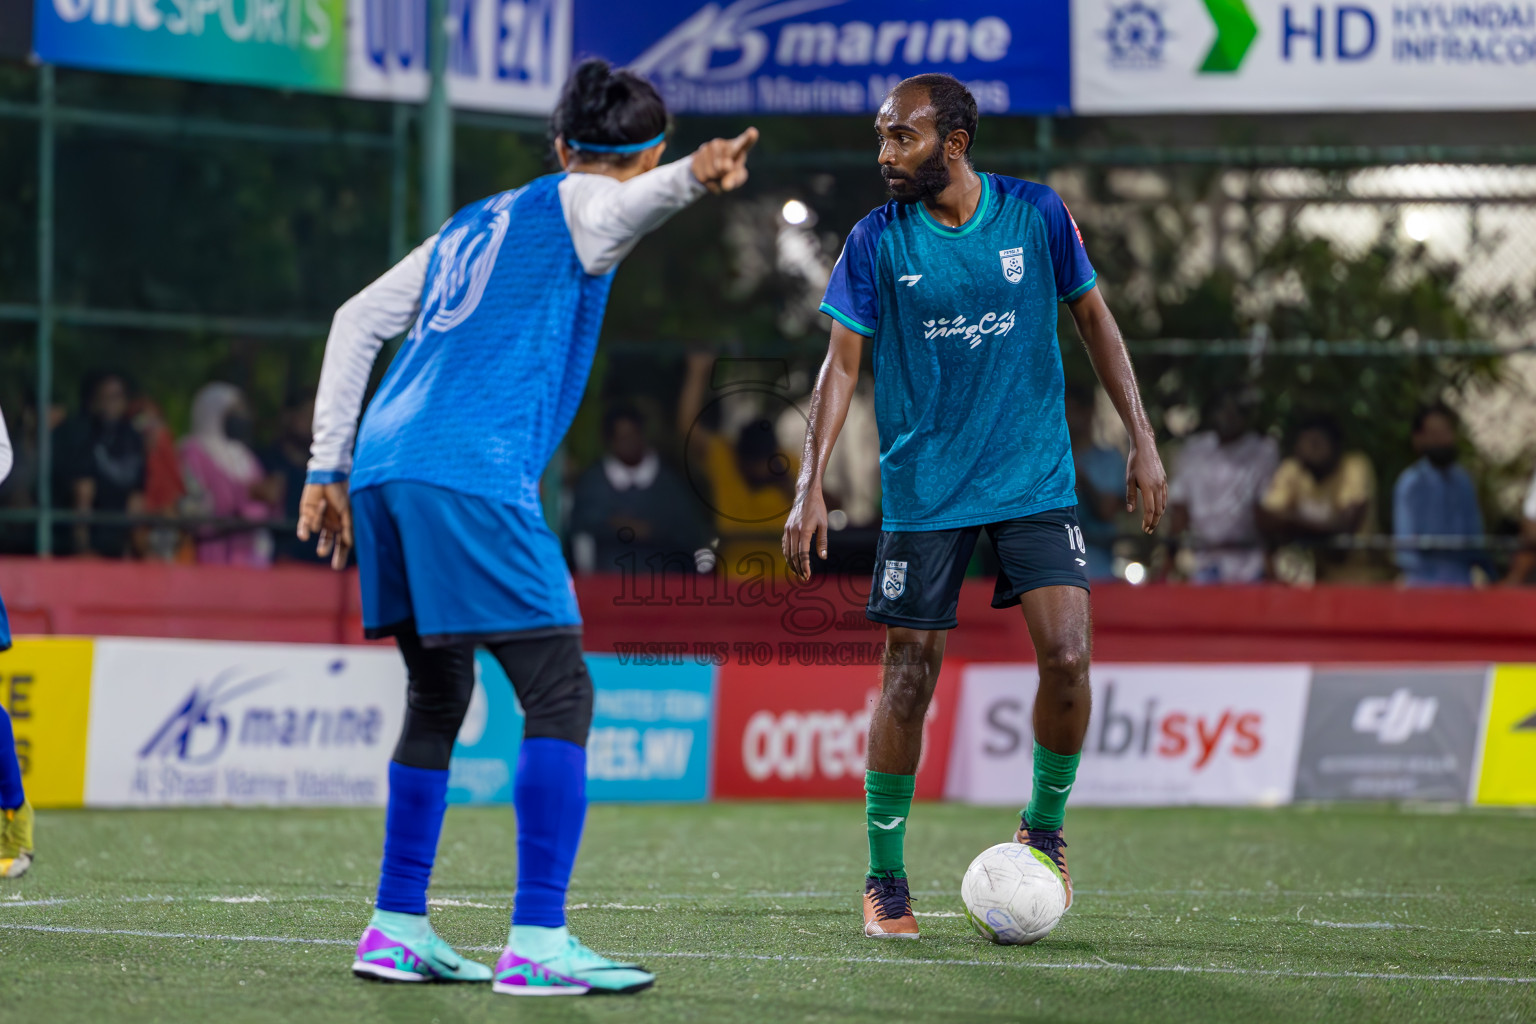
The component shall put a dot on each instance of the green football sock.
(887, 802)
(1054, 775)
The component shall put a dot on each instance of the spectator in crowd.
(1434, 499)
(286, 462)
(851, 483)
(630, 513)
(852, 478)
(1318, 494)
(98, 466)
(1523, 567)
(164, 489)
(1213, 498)
(1100, 484)
(225, 479)
(751, 479)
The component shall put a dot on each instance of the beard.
(925, 183)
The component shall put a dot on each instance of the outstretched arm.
(839, 375)
(608, 217)
(1143, 470)
(361, 326)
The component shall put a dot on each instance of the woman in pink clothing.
(225, 479)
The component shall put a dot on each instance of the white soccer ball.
(1013, 894)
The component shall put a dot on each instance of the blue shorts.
(457, 568)
(918, 573)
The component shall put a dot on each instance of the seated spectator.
(225, 480)
(1100, 485)
(751, 481)
(286, 463)
(1214, 495)
(629, 512)
(1319, 493)
(98, 466)
(1523, 566)
(1434, 498)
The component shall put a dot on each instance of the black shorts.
(918, 573)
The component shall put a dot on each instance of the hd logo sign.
(1509, 747)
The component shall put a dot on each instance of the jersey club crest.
(1013, 264)
(894, 583)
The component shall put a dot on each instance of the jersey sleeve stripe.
(1081, 289)
(847, 321)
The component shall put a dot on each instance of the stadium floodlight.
(795, 212)
(1417, 225)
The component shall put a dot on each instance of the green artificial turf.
(749, 912)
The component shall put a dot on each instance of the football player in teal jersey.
(956, 283)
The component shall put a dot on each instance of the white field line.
(446, 902)
(1102, 965)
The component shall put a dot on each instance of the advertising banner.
(802, 732)
(832, 56)
(186, 722)
(1191, 56)
(295, 44)
(503, 55)
(1508, 774)
(15, 28)
(650, 738)
(1159, 734)
(45, 685)
(1390, 734)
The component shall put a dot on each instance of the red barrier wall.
(823, 623)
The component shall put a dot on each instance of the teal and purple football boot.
(403, 947)
(552, 962)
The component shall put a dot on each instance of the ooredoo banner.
(1158, 734)
(803, 731)
(650, 739)
(1191, 56)
(187, 722)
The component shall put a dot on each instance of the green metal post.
(1045, 138)
(436, 126)
(398, 152)
(45, 312)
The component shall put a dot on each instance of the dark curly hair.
(607, 107)
(953, 105)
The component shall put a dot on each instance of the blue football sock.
(418, 798)
(11, 794)
(551, 800)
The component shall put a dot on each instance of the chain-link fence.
(1360, 282)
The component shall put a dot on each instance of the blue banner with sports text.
(833, 56)
(650, 739)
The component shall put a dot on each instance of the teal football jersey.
(968, 382)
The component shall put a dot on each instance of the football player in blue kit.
(441, 497)
(956, 283)
(16, 844)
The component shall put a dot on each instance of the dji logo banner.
(1393, 719)
(1390, 734)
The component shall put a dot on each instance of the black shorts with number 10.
(918, 573)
